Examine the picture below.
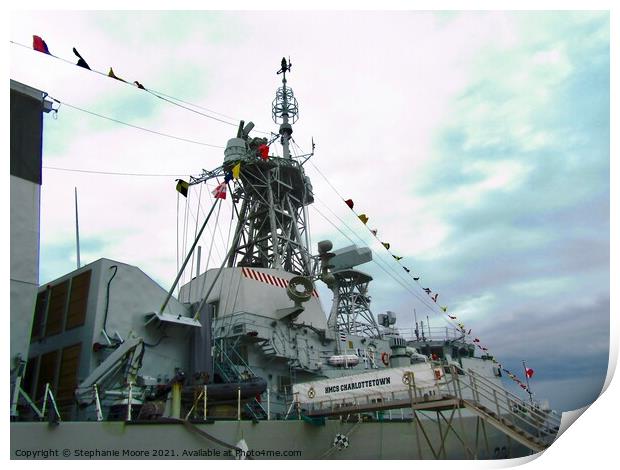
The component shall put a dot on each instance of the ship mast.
(271, 229)
(285, 107)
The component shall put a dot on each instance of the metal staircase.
(267, 348)
(521, 421)
(232, 368)
(524, 422)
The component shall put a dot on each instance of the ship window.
(47, 373)
(57, 306)
(237, 329)
(38, 321)
(78, 300)
(67, 377)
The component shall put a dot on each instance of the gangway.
(457, 389)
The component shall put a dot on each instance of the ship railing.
(227, 366)
(407, 396)
(506, 405)
(431, 334)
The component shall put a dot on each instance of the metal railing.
(456, 388)
(434, 333)
(503, 405)
(228, 367)
(408, 394)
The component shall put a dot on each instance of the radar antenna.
(284, 108)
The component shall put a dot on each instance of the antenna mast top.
(284, 108)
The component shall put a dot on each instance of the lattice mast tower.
(271, 230)
(350, 311)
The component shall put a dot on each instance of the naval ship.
(244, 362)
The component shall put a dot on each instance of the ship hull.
(297, 439)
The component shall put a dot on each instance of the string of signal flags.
(39, 45)
(434, 296)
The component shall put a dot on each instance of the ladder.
(228, 368)
(524, 422)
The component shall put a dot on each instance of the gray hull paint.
(367, 440)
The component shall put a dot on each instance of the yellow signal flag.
(236, 170)
(112, 75)
(445, 309)
(363, 218)
(182, 187)
(386, 245)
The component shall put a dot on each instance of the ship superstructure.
(249, 341)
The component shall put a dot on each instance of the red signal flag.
(220, 191)
(39, 45)
(263, 152)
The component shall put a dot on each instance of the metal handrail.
(433, 333)
(480, 386)
(517, 401)
(233, 367)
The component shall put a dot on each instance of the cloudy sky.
(477, 143)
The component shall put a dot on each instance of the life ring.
(385, 358)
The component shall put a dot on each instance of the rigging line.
(232, 215)
(185, 225)
(194, 105)
(189, 109)
(112, 173)
(210, 250)
(163, 134)
(399, 281)
(219, 230)
(206, 109)
(235, 297)
(195, 218)
(405, 286)
(339, 195)
(433, 307)
(203, 289)
(178, 197)
(326, 180)
(232, 218)
(305, 209)
(153, 92)
(212, 233)
(191, 268)
(213, 240)
(378, 257)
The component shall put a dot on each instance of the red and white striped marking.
(269, 279)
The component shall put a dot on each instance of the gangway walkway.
(458, 389)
